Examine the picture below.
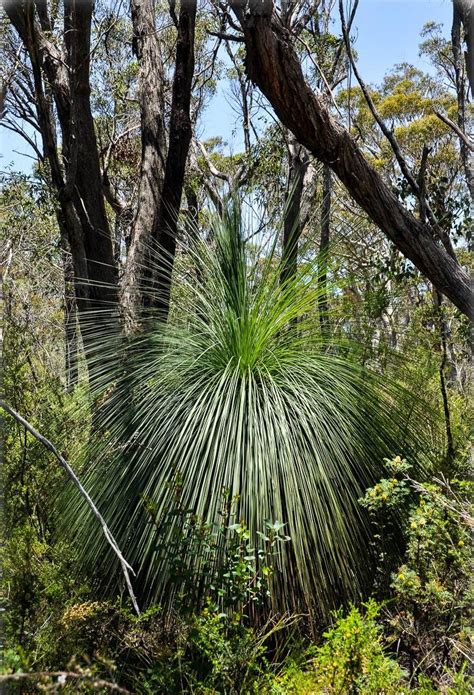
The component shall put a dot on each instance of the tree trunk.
(180, 132)
(86, 183)
(297, 165)
(466, 156)
(464, 9)
(272, 64)
(82, 217)
(324, 251)
(153, 140)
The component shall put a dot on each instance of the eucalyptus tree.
(57, 44)
(267, 37)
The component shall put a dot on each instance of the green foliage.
(217, 656)
(193, 551)
(432, 590)
(352, 659)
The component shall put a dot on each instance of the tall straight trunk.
(324, 251)
(442, 330)
(77, 178)
(466, 156)
(83, 154)
(297, 166)
(180, 132)
(272, 64)
(153, 141)
(464, 9)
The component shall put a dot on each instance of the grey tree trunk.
(324, 251)
(297, 166)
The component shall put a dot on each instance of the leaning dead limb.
(126, 568)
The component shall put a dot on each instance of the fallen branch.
(126, 568)
(62, 676)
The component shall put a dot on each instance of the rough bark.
(273, 66)
(297, 165)
(82, 163)
(180, 132)
(153, 141)
(81, 210)
(464, 9)
(456, 42)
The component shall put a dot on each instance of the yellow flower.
(401, 576)
(460, 543)
(413, 524)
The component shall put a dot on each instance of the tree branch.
(451, 124)
(62, 676)
(226, 37)
(307, 115)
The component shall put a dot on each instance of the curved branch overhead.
(268, 44)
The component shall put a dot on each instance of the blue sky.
(386, 31)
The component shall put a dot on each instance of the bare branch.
(451, 124)
(214, 171)
(226, 37)
(402, 163)
(386, 131)
(62, 676)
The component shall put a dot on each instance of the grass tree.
(239, 391)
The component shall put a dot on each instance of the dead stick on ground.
(62, 676)
(126, 568)
(95, 682)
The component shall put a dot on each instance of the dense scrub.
(250, 358)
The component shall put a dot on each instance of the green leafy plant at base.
(352, 659)
(200, 573)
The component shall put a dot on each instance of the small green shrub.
(431, 591)
(352, 658)
(201, 573)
